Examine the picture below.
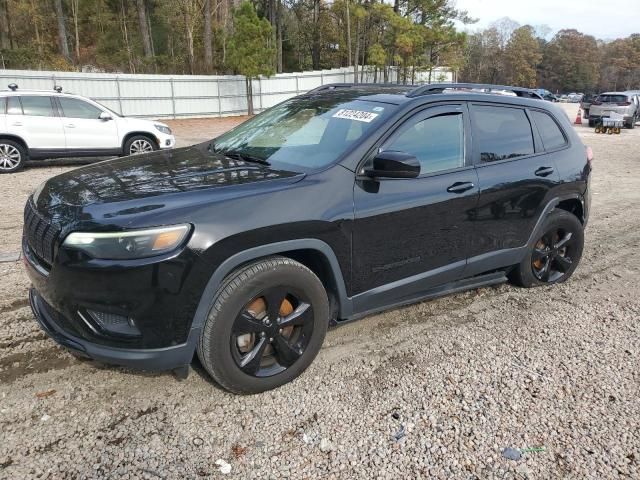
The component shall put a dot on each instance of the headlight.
(128, 244)
(162, 128)
(38, 191)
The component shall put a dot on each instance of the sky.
(606, 20)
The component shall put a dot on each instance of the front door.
(84, 129)
(413, 234)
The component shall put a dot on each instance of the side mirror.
(105, 116)
(392, 164)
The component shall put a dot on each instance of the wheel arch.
(315, 254)
(15, 138)
(143, 133)
(573, 203)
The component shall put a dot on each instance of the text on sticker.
(357, 115)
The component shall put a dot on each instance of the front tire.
(12, 156)
(266, 325)
(555, 255)
(139, 144)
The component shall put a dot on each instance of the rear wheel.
(555, 254)
(267, 324)
(631, 124)
(139, 144)
(12, 156)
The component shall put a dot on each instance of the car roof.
(402, 94)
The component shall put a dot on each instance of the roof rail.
(487, 87)
(334, 86)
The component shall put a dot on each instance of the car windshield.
(612, 98)
(306, 133)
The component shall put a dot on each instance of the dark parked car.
(585, 103)
(347, 200)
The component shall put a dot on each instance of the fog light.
(167, 142)
(113, 323)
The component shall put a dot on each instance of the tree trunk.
(315, 45)
(5, 39)
(125, 36)
(74, 11)
(249, 95)
(279, 37)
(144, 28)
(208, 47)
(348, 35)
(189, 31)
(355, 63)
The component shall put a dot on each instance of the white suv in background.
(41, 124)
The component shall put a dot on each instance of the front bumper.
(146, 359)
(165, 141)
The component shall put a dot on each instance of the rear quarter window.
(550, 132)
(501, 133)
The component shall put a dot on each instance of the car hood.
(137, 183)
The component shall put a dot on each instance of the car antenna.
(13, 87)
(58, 88)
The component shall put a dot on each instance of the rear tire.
(139, 144)
(249, 344)
(12, 156)
(555, 255)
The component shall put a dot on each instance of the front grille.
(40, 233)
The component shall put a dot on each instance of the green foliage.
(249, 51)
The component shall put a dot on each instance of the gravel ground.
(434, 390)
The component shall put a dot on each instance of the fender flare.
(553, 203)
(246, 256)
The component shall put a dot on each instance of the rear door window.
(37, 106)
(550, 132)
(13, 106)
(501, 133)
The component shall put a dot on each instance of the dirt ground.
(434, 390)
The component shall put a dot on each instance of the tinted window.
(13, 106)
(37, 106)
(437, 142)
(551, 134)
(501, 133)
(74, 108)
(612, 98)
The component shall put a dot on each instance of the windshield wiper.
(244, 156)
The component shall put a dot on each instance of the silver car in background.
(626, 104)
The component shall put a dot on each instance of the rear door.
(515, 177)
(412, 234)
(83, 127)
(34, 118)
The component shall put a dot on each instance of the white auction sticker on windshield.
(357, 115)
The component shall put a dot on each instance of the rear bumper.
(146, 359)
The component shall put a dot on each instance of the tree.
(5, 38)
(249, 51)
(570, 62)
(522, 56)
(206, 38)
(62, 30)
(145, 30)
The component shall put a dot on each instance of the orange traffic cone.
(578, 117)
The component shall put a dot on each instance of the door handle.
(70, 125)
(17, 124)
(544, 171)
(460, 187)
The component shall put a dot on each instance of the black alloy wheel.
(552, 255)
(272, 332)
(267, 323)
(556, 253)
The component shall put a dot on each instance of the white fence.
(175, 96)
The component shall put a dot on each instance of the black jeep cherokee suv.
(346, 200)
